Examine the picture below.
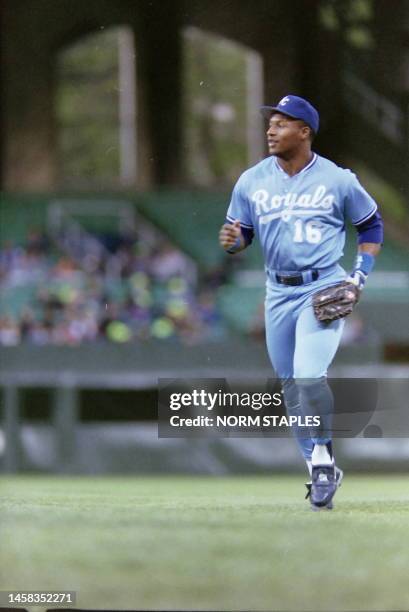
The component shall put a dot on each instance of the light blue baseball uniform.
(300, 223)
(300, 220)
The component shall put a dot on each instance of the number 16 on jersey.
(307, 231)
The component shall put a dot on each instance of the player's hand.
(229, 235)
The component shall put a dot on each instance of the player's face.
(285, 135)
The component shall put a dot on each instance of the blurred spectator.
(9, 331)
(37, 242)
(168, 261)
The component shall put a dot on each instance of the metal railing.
(381, 138)
(375, 108)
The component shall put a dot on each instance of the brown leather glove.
(335, 302)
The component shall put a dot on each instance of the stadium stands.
(191, 221)
(78, 286)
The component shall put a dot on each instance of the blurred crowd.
(120, 288)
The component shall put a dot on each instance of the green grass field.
(207, 543)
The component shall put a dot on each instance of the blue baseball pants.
(301, 349)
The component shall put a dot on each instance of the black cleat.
(325, 486)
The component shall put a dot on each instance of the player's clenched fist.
(230, 236)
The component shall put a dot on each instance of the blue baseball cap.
(297, 108)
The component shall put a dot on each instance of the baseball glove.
(335, 302)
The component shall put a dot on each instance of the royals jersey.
(300, 219)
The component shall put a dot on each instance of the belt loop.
(310, 275)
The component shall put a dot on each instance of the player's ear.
(306, 132)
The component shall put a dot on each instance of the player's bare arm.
(371, 248)
(231, 237)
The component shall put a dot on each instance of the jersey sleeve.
(239, 206)
(359, 205)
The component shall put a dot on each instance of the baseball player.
(297, 204)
